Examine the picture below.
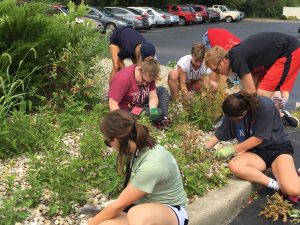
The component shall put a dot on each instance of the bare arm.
(213, 81)
(113, 105)
(127, 197)
(153, 99)
(212, 142)
(182, 80)
(248, 83)
(247, 144)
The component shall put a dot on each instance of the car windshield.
(186, 9)
(134, 11)
(106, 12)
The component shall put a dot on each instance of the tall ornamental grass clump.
(64, 48)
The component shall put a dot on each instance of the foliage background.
(256, 8)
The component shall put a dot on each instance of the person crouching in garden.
(133, 89)
(126, 43)
(266, 63)
(188, 74)
(153, 190)
(262, 142)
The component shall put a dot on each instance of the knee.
(291, 189)
(135, 217)
(234, 167)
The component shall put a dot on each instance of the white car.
(227, 14)
(162, 18)
(146, 12)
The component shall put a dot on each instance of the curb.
(220, 206)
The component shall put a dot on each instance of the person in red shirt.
(133, 89)
(220, 37)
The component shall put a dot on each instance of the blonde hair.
(214, 55)
(150, 66)
(198, 51)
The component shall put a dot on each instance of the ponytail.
(123, 126)
(236, 104)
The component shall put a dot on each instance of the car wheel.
(182, 21)
(228, 19)
(110, 27)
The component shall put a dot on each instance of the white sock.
(273, 184)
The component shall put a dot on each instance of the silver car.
(140, 21)
(174, 19)
(162, 18)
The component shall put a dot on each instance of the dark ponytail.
(123, 126)
(236, 104)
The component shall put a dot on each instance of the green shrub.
(292, 18)
(22, 133)
(205, 108)
(64, 51)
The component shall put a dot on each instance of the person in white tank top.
(187, 76)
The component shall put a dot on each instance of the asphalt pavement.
(174, 42)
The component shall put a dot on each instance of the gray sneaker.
(291, 120)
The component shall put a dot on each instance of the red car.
(186, 16)
(202, 10)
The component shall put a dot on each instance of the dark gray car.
(109, 21)
(140, 20)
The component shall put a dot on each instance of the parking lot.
(174, 42)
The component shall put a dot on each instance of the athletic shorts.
(270, 153)
(181, 214)
(282, 74)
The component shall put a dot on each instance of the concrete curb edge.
(220, 206)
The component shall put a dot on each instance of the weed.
(172, 63)
(276, 207)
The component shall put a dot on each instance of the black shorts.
(270, 153)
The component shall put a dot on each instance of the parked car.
(186, 16)
(147, 12)
(201, 10)
(214, 16)
(61, 9)
(109, 21)
(162, 18)
(140, 21)
(174, 19)
(227, 14)
(198, 18)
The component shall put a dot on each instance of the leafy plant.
(172, 63)
(205, 108)
(294, 214)
(276, 208)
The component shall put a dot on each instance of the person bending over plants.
(188, 74)
(133, 89)
(266, 62)
(153, 190)
(262, 142)
(128, 43)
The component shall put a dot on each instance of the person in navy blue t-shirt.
(262, 142)
(128, 43)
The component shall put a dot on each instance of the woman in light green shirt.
(153, 190)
